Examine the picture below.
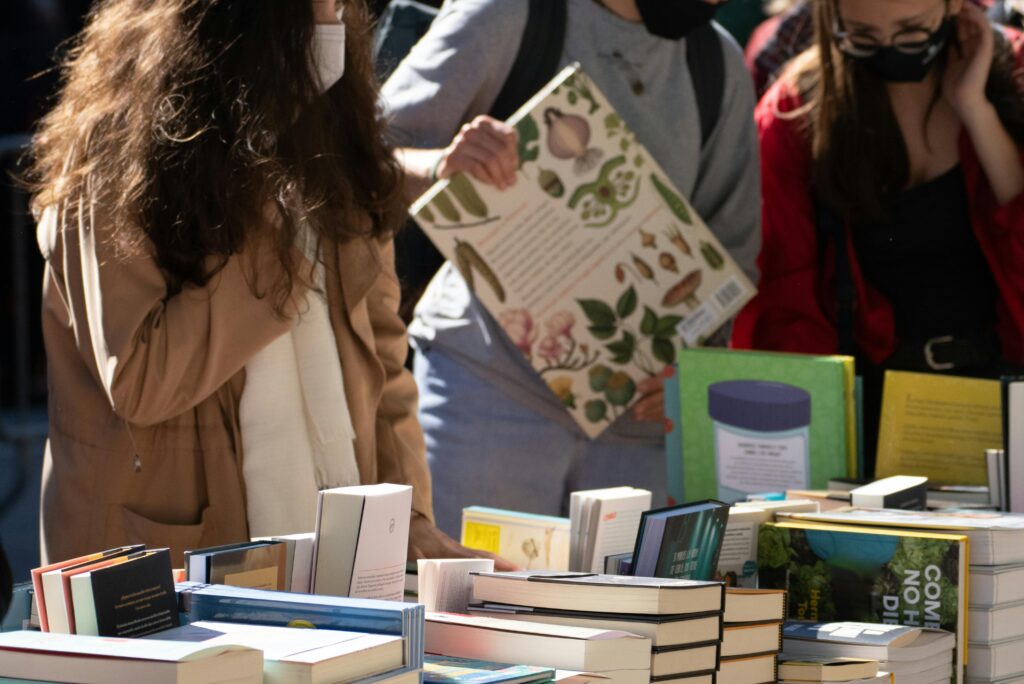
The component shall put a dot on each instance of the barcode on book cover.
(695, 327)
(729, 293)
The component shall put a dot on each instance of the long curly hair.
(200, 124)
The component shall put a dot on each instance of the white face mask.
(329, 52)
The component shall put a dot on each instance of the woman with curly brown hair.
(216, 202)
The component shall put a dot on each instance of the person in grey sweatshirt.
(496, 434)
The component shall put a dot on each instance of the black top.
(928, 264)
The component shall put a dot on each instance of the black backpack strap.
(540, 53)
(832, 229)
(706, 62)
(399, 28)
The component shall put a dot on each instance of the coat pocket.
(139, 529)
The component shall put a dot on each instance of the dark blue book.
(681, 542)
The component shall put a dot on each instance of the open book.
(593, 263)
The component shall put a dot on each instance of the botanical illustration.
(594, 264)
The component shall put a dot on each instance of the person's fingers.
(649, 385)
(506, 140)
(650, 409)
(485, 158)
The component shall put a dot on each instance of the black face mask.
(673, 19)
(899, 67)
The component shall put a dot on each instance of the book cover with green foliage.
(837, 573)
(756, 422)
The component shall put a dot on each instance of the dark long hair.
(198, 125)
(860, 157)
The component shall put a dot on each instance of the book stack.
(752, 635)
(604, 522)
(680, 620)
(447, 670)
(869, 574)
(122, 592)
(216, 603)
(534, 542)
(815, 670)
(912, 655)
(995, 577)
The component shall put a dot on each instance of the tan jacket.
(143, 389)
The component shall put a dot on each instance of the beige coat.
(144, 389)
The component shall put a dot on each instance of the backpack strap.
(832, 229)
(540, 53)
(706, 63)
(399, 28)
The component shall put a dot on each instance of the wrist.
(977, 115)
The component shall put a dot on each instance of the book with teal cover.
(835, 573)
(449, 670)
(680, 542)
(755, 422)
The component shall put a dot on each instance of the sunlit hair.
(198, 124)
(860, 160)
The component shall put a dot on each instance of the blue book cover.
(256, 606)
(681, 542)
(446, 670)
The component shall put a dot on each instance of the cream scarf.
(297, 434)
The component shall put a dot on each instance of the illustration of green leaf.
(663, 350)
(649, 324)
(573, 98)
(623, 144)
(621, 389)
(602, 332)
(612, 121)
(599, 313)
(627, 303)
(638, 160)
(666, 327)
(529, 137)
(596, 410)
(599, 376)
(624, 349)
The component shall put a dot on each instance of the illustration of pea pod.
(674, 201)
(463, 190)
(426, 214)
(469, 260)
(443, 203)
(712, 256)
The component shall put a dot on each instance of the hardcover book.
(756, 422)
(595, 265)
(680, 542)
(874, 575)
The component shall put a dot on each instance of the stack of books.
(815, 670)
(447, 670)
(752, 635)
(995, 577)
(911, 654)
(681, 620)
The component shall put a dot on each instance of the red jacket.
(795, 307)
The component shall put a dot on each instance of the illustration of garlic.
(668, 262)
(568, 137)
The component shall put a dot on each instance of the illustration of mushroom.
(684, 292)
(568, 137)
(668, 262)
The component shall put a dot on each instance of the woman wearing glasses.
(893, 194)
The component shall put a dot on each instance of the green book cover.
(863, 574)
(757, 422)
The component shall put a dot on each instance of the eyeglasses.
(912, 40)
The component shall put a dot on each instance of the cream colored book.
(595, 265)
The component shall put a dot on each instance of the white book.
(996, 661)
(446, 585)
(531, 541)
(680, 661)
(758, 670)
(748, 640)
(303, 656)
(1002, 623)
(76, 659)
(894, 643)
(604, 523)
(554, 646)
(362, 540)
(1014, 412)
(992, 586)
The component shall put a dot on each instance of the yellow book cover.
(939, 427)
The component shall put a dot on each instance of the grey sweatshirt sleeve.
(455, 72)
(728, 190)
